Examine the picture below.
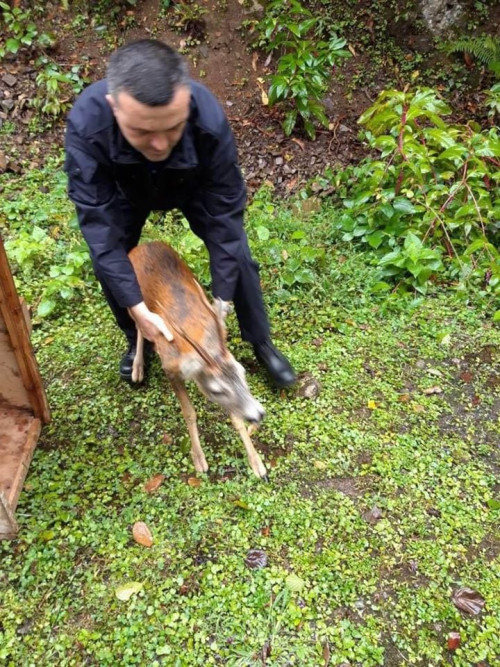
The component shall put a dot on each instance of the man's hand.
(150, 324)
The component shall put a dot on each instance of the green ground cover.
(383, 493)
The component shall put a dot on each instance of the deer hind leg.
(253, 458)
(189, 413)
(138, 365)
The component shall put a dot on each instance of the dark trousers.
(248, 300)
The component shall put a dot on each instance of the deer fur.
(198, 351)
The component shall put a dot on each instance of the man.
(149, 138)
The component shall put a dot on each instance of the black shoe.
(278, 366)
(127, 361)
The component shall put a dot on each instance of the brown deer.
(198, 351)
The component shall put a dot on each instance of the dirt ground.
(224, 60)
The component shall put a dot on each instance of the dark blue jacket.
(114, 187)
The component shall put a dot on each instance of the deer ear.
(190, 367)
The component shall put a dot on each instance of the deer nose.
(258, 414)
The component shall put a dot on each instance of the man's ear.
(112, 102)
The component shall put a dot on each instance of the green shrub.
(304, 66)
(429, 206)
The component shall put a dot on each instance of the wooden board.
(17, 342)
(19, 431)
(23, 404)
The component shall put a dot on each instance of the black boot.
(277, 365)
(127, 361)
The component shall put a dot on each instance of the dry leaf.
(194, 481)
(433, 390)
(404, 398)
(255, 58)
(265, 98)
(351, 49)
(153, 483)
(326, 654)
(142, 534)
(468, 600)
(418, 408)
(453, 641)
(299, 143)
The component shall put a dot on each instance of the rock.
(9, 80)
(7, 105)
(441, 15)
(308, 386)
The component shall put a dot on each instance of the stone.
(9, 80)
(441, 15)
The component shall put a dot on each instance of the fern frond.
(484, 49)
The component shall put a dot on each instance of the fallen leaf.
(264, 98)
(351, 49)
(266, 531)
(256, 559)
(468, 600)
(433, 390)
(255, 58)
(466, 376)
(299, 143)
(320, 465)
(404, 398)
(194, 481)
(453, 641)
(418, 408)
(153, 483)
(125, 591)
(326, 654)
(294, 583)
(142, 534)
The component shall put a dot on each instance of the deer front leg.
(189, 413)
(138, 365)
(253, 458)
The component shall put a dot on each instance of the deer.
(198, 351)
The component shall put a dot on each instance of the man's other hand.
(150, 324)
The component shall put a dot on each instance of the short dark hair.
(148, 70)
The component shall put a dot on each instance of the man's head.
(148, 90)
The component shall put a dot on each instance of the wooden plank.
(19, 432)
(12, 314)
(8, 524)
(12, 389)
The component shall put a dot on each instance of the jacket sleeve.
(216, 210)
(102, 217)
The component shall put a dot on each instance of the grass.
(380, 501)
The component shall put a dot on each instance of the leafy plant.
(188, 17)
(22, 31)
(56, 88)
(430, 204)
(33, 251)
(485, 49)
(305, 65)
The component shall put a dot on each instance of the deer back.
(170, 289)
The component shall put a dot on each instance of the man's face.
(153, 131)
